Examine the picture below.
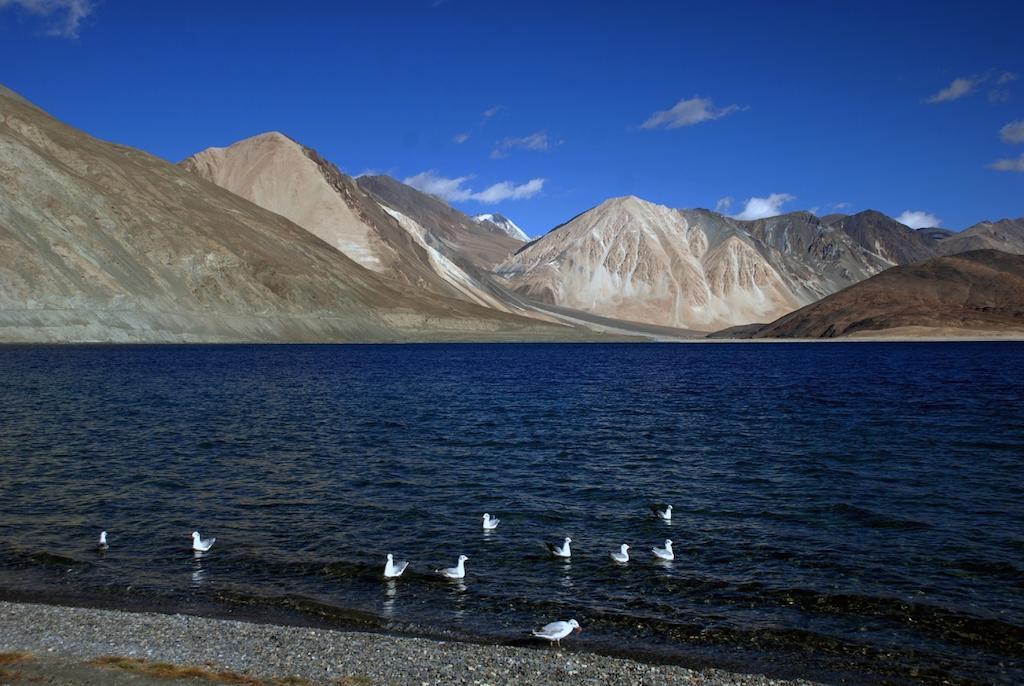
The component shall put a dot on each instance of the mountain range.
(266, 240)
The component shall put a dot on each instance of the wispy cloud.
(63, 16)
(918, 219)
(461, 138)
(1006, 77)
(723, 204)
(535, 141)
(687, 113)
(1013, 164)
(958, 88)
(1013, 132)
(456, 190)
(760, 208)
(840, 206)
(488, 113)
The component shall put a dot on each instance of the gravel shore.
(63, 636)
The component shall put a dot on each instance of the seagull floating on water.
(664, 515)
(201, 545)
(490, 523)
(622, 556)
(561, 550)
(102, 543)
(456, 572)
(394, 569)
(666, 552)
(556, 631)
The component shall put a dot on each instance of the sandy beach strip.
(62, 644)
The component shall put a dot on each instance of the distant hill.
(1006, 235)
(980, 290)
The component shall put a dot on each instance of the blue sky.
(541, 110)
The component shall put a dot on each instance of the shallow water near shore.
(852, 509)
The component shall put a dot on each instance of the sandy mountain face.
(294, 181)
(101, 242)
(503, 223)
(693, 269)
(1006, 235)
(979, 291)
(887, 238)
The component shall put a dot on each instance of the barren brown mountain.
(101, 242)
(981, 291)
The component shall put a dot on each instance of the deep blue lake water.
(846, 511)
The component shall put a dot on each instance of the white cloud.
(959, 87)
(506, 190)
(492, 111)
(839, 206)
(461, 138)
(1013, 132)
(1013, 164)
(759, 208)
(535, 141)
(917, 219)
(723, 204)
(1006, 77)
(64, 15)
(687, 113)
(455, 189)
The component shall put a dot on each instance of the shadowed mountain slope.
(981, 290)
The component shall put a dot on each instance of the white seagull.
(666, 552)
(664, 515)
(490, 523)
(394, 569)
(456, 572)
(556, 631)
(102, 543)
(562, 550)
(622, 556)
(201, 545)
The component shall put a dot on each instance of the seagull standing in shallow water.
(490, 523)
(456, 572)
(622, 557)
(666, 552)
(561, 550)
(556, 631)
(102, 543)
(664, 515)
(201, 545)
(394, 569)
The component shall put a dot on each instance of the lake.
(841, 511)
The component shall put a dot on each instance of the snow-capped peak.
(505, 224)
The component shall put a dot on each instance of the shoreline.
(69, 637)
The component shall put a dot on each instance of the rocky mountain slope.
(693, 269)
(505, 224)
(887, 238)
(1006, 235)
(482, 245)
(980, 290)
(101, 242)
